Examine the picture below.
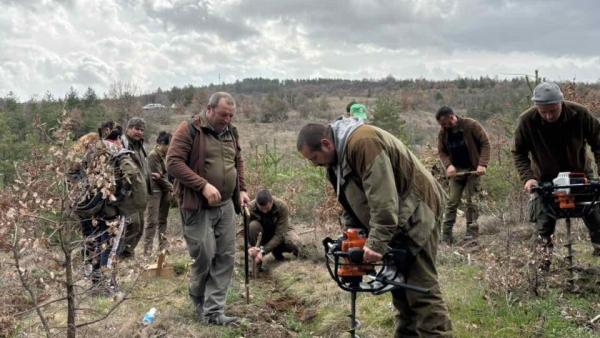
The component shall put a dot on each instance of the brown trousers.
(157, 211)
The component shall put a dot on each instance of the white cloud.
(52, 45)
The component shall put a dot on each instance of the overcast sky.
(52, 45)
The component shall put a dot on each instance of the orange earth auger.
(344, 260)
(569, 195)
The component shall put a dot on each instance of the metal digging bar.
(346, 267)
(246, 216)
(567, 201)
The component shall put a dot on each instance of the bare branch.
(24, 282)
(106, 315)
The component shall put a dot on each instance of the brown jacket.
(476, 140)
(542, 150)
(185, 162)
(274, 223)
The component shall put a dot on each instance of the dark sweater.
(542, 150)
(475, 139)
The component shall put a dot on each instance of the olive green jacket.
(274, 223)
(157, 164)
(141, 158)
(383, 187)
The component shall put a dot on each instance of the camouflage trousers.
(132, 233)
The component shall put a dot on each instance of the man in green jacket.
(385, 189)
(270, 216)
(133, 140)
(551, 137)
(157, 209)
(464, 149)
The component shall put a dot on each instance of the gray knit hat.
(547, 93)
(136, 122)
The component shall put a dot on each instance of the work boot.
(222, 320)
(101, 284)
(261, 268)
(471, 235)
(544, 250)
(447, 238)
(125, 255)
(472, 231)
(545, 265)
(278, 256)
(199, 307)
(295, 251)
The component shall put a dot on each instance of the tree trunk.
(71, 329)
(67, 250)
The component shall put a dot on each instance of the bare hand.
(244, 199)
(371, 256)
(253, 251)
(451, 171)
(212, 195)
(258, 258)
(481, 170)
(530, 184)
(155, 176)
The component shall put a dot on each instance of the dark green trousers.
(418, 314)
(545, 222)
(470, 187)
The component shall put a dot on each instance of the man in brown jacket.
(464, 150)
(551, 137)
(157, 209)
(205, 160)
(269, 216)
(384, 189)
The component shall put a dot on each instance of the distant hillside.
(24, 125)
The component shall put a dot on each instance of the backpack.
(110, 184)
(131, 185)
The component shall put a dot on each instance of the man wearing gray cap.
(551, 137)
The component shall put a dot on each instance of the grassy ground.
(490, 291)
(298, 299)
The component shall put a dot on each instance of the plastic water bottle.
(149, 316)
